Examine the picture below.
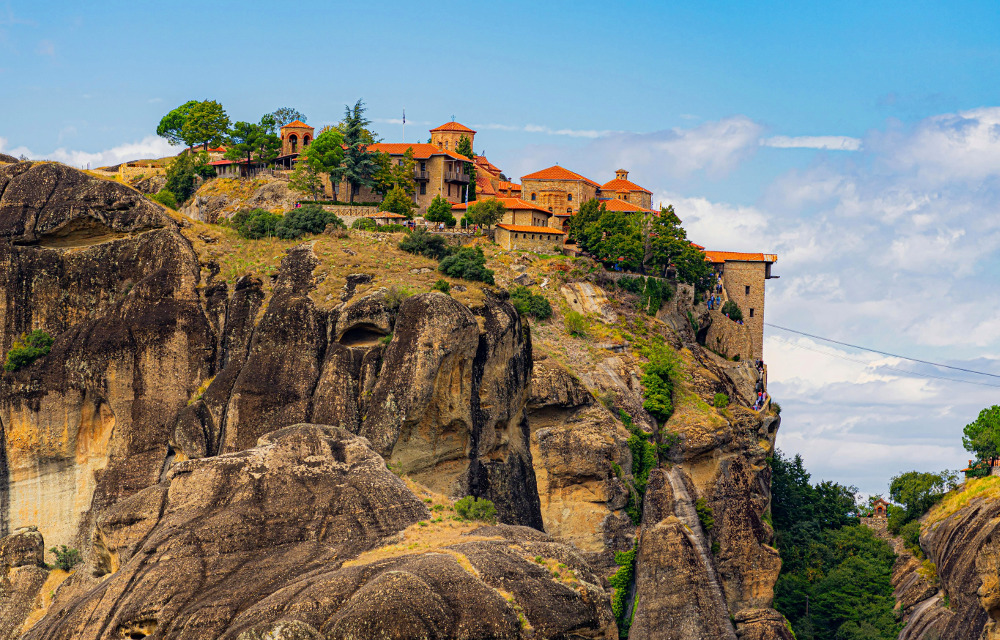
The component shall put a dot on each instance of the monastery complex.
(538, 212)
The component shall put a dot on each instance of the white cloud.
(836, 143)
(535, 128)
(148, 147)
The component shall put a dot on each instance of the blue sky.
(860, 141)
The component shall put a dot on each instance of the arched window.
(569, 209)
(569, 197)
(306, 140)
(293, 143)
(533, 197)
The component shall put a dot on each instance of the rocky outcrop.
(965, 547)
(21, 578)
(4, 158)
(271, 540)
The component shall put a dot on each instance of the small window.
(423, 166)
(449, 188)
(748, 290)
(569, 209)
(751, 313)
(532, 196)
(532, 236)
(569, 197)
(399, 163)
(423, 188)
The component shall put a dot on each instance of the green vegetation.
(325, 154)
(423, 243)
(658, 381)
(253, 142)
(486, 212)
(442, 285)
(195, 123)
(66, 558)
(439, 210)
(575, 323)
(732, 310)
(470, 508)
(28, 348)
(530, 304)
(705, 515)
(395, 296)
(622, 583)
(395, 173)
(468, 263)
(840, 568)
(720, 401)
(182, 172)
(256, 223)
(916, 492)
(982, 436)
(398, 201)
(165, 198)
(286, 115)
(464, 147)
(364, 224)
(308, 219)
(652, 292)
(359, 166)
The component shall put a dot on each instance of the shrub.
(398, 201)
(576, 324)
(439, 210)
(704, 514)
(66, 558)
(364, 224)
(392, 227)
(467, 263)
(442, 285)
(423, 243)
(256, 223)
(308, 219)
(165, 198)
(910, 533)
(720, 401)
(732, 310)
(622, 583)
(470, 508)
(530, 304)
(776, 407)
(657, 381)
(27, 349)
(394, 296)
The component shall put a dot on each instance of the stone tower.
(621, 174)
(447, 135)
(295, 136)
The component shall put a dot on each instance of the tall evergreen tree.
(253, 141)
(464, 147)
(359, 166)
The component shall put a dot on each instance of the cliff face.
(227, 454)
(965, 547)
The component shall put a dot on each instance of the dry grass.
(44, 599)
(986, 488)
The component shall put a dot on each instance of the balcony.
(422, 176)
(456, 176)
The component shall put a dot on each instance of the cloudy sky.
(859, 142)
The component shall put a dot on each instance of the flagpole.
(404, 124)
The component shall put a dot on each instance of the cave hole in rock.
(79, 232)
(137, 630)
(361, 335)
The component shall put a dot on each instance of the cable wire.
(884, 353)
(903, 371)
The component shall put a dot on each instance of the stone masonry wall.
(736, 277)
(580, 190)
(518, 241)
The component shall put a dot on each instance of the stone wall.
(581, 192)
(744, 284)
(520, 241)
(731, 338)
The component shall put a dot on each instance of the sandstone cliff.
(216, 424)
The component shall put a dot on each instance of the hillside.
(251, 439)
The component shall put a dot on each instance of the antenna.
(404, 124)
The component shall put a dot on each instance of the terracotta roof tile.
(296, 124)
(623, 185)
(509, 186)
(736, 256)
(486, 165)
(421, 150)
(614, 204)
(526, 229)
(484, 186)
(453, 126)
(383, 214)
(556, 172)
(512, 204)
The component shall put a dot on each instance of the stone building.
(743, 277)
(880, 508)
(559, 191)
(438, 172)
(518, 212)
(541, 239)
(295, 137)
(621, 188)
(448, 135)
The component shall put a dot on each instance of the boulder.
(23, 548)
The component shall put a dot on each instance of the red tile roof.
(509, 186)
(383, 214)
(623, 185)
(614, 204)
(736, 256)
(296, 124)
(453, 126)
(526, 229)
(421, 150)
(556, 172)
(487, 166)
(484, 186)
(511, 204)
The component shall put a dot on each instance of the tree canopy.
(398, 201)
(325, 154)
(359, 166)
(439, 210)
(205, 123)
(982, 436)
(464, 147)
(172, 124)
(395, 172)
(284, 115)
(486, 212)
(251, 141)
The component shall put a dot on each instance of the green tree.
(692, 267)
(616, 238)
(172, 124)
(486, 212)
(439, 210)
(732, 310)
(181, 174)
(325, 154)
(982, 436)
(311, 218)
(28, 348)
(667, 239)
(398, 201)
(306, 177)
(590, 212)
(165, 198)
(206, 123)
(423, 243)
(917, 492)
(395, 172)
(468, 263)
(464, 147)
(253, 142)
(359, 166)
(284, 115)
(256, 223)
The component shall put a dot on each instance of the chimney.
(621, 174)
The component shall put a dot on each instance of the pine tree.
(464, 147)
(359, 166)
